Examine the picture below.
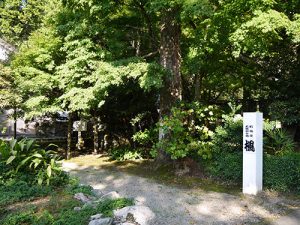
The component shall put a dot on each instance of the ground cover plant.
(41, 205)
(26, 200)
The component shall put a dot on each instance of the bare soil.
(176, 203)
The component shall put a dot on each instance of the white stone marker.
(252, 152)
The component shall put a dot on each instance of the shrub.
(25, 157)
(286, 111)
(277, 141)
(124, 153)
(282, 172)
(58, 211)
(75, 187)
(227, 167)
(188, 131)
(229, 138)
(26, 217)
(281, 166)
(146, 138)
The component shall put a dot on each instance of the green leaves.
(26, 157)
(17, 21)
(189, 131)
(261, 33)
(10, 159)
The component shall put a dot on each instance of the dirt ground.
(180, 205)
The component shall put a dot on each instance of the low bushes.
(281, 169)
(19, 158)
(189, 130)
(282, 173)
(124, 153)
(227, 167)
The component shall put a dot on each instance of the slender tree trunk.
(80, 142)
(246, 99)
(198, 86)
(96, 135)
(15, 122)
(69, 136)
(170, 59)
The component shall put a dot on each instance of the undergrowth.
(58, 210)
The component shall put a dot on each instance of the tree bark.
(170, 59)
(96, 135)
(15, 122)
(198, 86)
(69, 136)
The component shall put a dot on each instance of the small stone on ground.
(102, 221)
(139, 214)
(111, 195)
(82, 197)
(95, 217)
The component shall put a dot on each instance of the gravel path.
(177, 206)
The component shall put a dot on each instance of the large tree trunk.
(170, 59)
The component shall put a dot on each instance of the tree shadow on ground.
(174, 203)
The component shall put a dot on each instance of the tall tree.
(10, 97)
(18, 18)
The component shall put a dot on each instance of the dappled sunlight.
(109, 178)
(173, 203)
(99, 186)
(140, 200)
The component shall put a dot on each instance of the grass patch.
(58, 209)
(16, 191)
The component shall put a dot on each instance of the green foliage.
(74, 187)
(59, 210)
(188, 130)
(25, 217)
(260, 33)
(124, 153)
(286, 111)
(278, 142)
(282, 173)
(34, 65)
(106, 207)
(229, 137)
(227, 166)
(19, 18)
(19, 189)
(24, 156)
(9, 94)
(145, 137)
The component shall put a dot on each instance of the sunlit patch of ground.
(176, 200)
(148, 169)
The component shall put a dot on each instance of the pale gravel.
(178, 206)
